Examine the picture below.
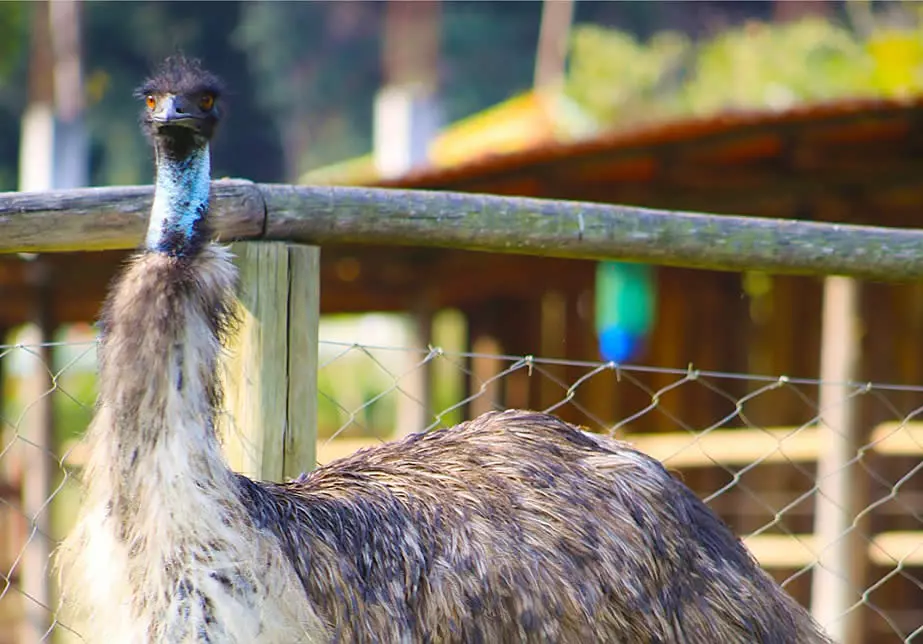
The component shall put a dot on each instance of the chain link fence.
(716, 431)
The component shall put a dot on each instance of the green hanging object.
(625, 308)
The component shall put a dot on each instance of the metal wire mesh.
(747, 444)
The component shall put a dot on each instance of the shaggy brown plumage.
(513, 527)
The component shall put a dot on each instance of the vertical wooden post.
(270, 374)
(484, 368)
(36, 148)
(54, 150)
(303, 321)
(71, 145)
(551, 54)
(415, 405)
(552, 334)
(838, 573)
(53, 154)
(9, 476)
(38, 466)
(406, 119)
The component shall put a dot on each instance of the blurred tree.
(619, 79)
(488, 53)
(15, 20)
(315, 68)
(123, 41)
(624, 82)
(318, 67)
(303, 76)
(698, 19)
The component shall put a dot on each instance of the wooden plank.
(331, 450)
(886, 549)
(303, 321)
(898, 439)
(782, 550)
(669, 344)
(730, 447)
(39, 469)
(774, 336)
(255, 369)
(721, 447)
(889, 548)
(270, 375)
(113, 218)
(552, 333)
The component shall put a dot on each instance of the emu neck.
(177, 226)
(162, 326)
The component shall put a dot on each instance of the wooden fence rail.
(111, 218)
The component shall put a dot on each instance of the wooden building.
(849, 162)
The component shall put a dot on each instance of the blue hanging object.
(625, 307)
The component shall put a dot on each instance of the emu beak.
(172, 111)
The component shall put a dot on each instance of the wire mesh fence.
(747, 444)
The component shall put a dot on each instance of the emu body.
(513, 527)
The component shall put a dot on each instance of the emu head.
(181, 102)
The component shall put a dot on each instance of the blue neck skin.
(180, 203)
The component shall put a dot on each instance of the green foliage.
(123, 41)
(775, 66)
(613, 75)
(315, 68)
(621, 81)
(14, 21)
(488, 53)
(14, 39)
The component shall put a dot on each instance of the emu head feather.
(181, 100)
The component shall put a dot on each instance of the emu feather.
(512, 527)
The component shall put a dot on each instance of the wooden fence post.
(841, 554)
(270, 373)
(38, 471)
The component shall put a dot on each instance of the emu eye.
(150, 102)
(206, 102)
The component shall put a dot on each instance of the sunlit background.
(362, 93)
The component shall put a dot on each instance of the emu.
(512, 527)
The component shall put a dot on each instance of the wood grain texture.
(300, 448)
(270, 372)
(115, 218)
(325, 215)
(255, 372)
